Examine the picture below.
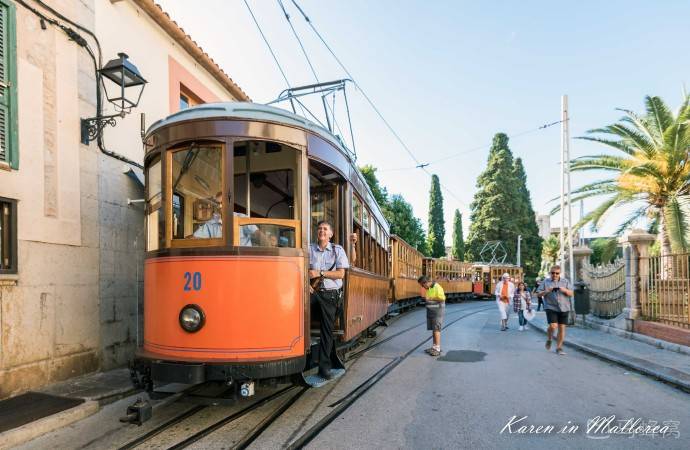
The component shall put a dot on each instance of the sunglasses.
(555, 273)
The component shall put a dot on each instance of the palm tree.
(550, 250)
(653, 172)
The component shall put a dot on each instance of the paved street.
(428, 403)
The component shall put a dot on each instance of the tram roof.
(264, 113)
(251, 111)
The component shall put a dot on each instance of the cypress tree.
(437, 226)
(458, 250)
(527, 223)
(493, 210)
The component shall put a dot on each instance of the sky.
(448, 75)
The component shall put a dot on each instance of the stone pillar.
(635, 245)
(580, 255)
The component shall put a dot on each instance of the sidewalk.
(666, 365)
(80, 397)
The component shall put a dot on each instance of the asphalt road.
(464, 399)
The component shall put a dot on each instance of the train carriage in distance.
(486, 276)
(455, 277)
(233, 195)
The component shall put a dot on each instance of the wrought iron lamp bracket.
(92, 127)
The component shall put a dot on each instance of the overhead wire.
(354, 81)
(270, 49)
(299, 41)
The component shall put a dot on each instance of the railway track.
(293, 394)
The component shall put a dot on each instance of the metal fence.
(665, 288)
(606, 285)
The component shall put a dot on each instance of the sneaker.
(548, 344)
(560, 351)
(435, 352)
(521, 328)
(326, 375)
(428, 350)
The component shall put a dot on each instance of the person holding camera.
(556, 292)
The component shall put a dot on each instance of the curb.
(16, 436)
(666, 374)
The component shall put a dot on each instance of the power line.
(270, 49)
(364, 94)
(475, 149)
(299, 41)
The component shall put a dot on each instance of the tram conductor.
(327, 264)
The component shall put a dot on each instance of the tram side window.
(154, 225)
(357, 228)
(196, 188)
(265, 194)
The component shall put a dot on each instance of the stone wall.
(122, 243)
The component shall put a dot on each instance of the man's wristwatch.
(321, 274)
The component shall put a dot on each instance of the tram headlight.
(192, 318)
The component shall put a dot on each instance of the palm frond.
(641, 124)
(619, 145)
(606, 163)
(661, 117)
(632, 218)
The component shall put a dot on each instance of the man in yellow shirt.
(435, 308)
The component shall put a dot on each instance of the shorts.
(559, 317)
(434, 315)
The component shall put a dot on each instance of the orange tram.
(233, 195)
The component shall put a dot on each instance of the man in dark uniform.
(327, 264)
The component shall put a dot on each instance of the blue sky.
(448, 75)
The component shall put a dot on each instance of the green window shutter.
(8, 86)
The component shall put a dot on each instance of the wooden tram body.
(486, 276)
(455, 277)
(233, 195)
(234, 192)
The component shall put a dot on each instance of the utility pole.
(564, 117)
(566, 238)
(518, 249)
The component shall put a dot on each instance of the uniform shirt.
(212, 228)
(435, 293)
(323, 260)
(556, 301)
(246, 231)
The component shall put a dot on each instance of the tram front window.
(266, 194)
(196, 193)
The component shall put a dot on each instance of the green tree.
(405, 224)
(380, 192)
(458, 250)
(526, 222)
(437, 226)
(494, 208)
(397, 211)
(550, 251)
(651, 170)
(604, 251)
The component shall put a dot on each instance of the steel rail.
(228, 419)
(345, 402)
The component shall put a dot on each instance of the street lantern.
(127, 86)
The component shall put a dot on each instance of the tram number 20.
(192, 281)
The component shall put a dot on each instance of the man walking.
(327, 264)
(557, 292)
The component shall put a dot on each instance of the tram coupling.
(138, 412)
